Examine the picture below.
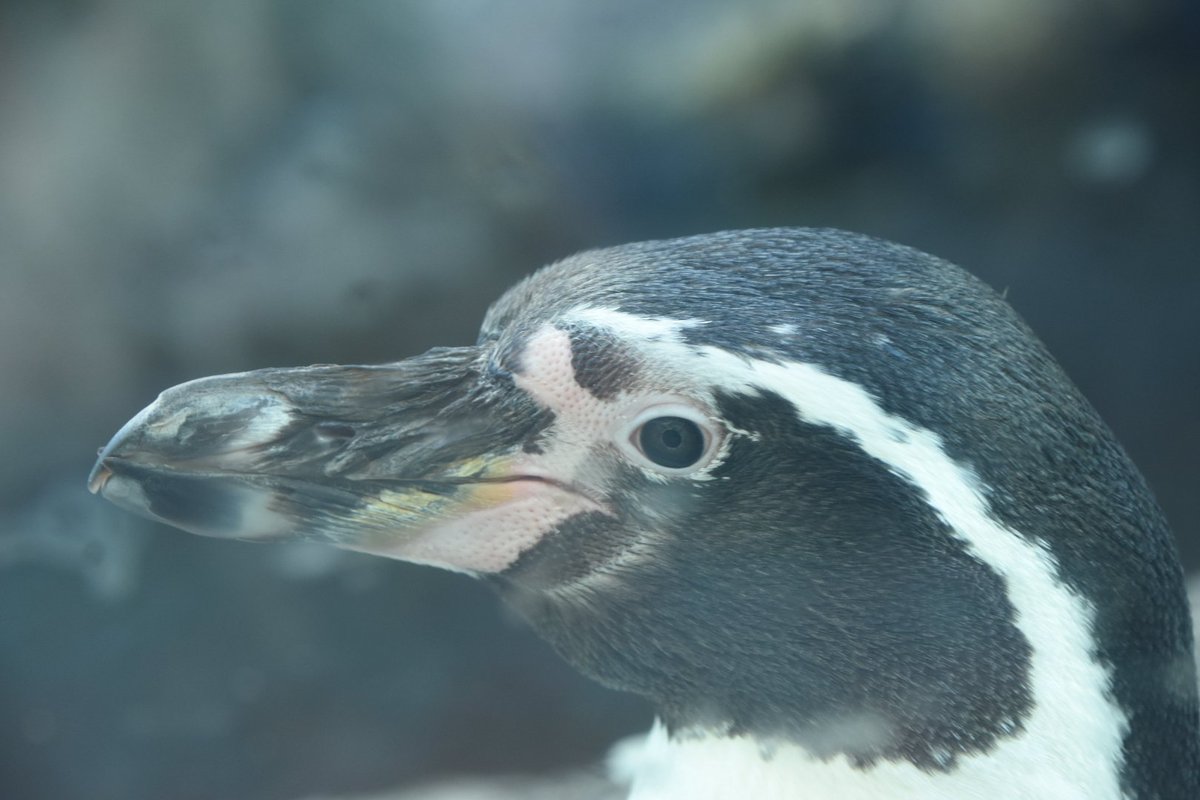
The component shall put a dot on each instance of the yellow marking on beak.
(487, 466)
(392, 510)
(487, 495)
(410, 507)
(479, 496)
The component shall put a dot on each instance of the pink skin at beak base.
(500, 522)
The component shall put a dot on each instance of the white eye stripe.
(627, 436)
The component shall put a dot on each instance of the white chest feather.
(718, 768)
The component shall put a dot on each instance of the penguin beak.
(363, 457)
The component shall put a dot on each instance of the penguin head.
(801, 486)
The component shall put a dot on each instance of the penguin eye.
(675, 438)
(671, 442)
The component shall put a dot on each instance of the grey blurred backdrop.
(198, 187)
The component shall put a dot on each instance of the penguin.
(824, 500)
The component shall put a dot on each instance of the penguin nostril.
(334, 430)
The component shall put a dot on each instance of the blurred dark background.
(189, 188)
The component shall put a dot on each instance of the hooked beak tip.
(98, 477)
(101, 471)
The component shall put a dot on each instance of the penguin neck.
(718, 741)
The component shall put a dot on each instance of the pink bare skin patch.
(581, 420)
(588, 428)
(508, 519)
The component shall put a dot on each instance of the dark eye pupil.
(672, 442)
